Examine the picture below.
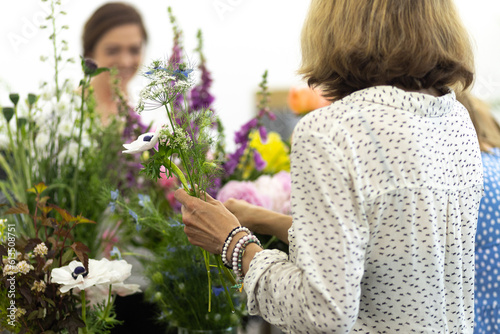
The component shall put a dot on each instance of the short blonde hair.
(348, 45)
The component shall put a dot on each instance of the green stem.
(206, 256)
(226, 290)
(75, 176)
(20, 155)
(273, 239)
(84, 311)
(54, 45)
(108, 305)
(176, 170)
(182, 155)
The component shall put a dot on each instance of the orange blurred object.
(303, 100)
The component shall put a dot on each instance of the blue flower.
(217, 290)
(112, 206)
(114, 195)
(136, 219)
(143, 199)
(175, 223)
(183, 74)
(155, 69)
(115, 253)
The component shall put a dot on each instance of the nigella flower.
(114, 194)
(167, 82)
(134, 216)
(145, 142)
(136, 219)
(182, 74)
(143, 200)
(115, 253)
(154, 69)
(217, 290)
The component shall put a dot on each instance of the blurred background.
(243, 38)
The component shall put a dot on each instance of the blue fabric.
(487, 282)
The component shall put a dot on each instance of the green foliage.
(179, 284)
(28, 262)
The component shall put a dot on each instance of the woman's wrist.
(248, 256)
(234, 241)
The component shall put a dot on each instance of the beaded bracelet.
(238, 253)
(228, 242)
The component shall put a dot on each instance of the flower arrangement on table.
(191, 287)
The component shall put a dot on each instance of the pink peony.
(277, 188)
(246, 191)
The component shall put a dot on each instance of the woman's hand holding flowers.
(207, 223)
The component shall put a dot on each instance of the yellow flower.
(274, 151)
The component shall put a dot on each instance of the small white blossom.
(24, 267)
(9, 270)
(181, 139)
(39, 286)
(20, 312)
(41, 249)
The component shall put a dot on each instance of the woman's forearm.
(273, 223)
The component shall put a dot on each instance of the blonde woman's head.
(348, 45)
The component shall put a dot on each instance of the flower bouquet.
(191, 286)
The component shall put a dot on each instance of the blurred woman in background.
(114, 37)
(487, 281)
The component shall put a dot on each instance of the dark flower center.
(79, 271)
(147, 138)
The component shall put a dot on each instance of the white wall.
(242, 39)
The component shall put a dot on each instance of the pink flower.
(110, 238)
(167, 182)
(277, 188)
(174, 204)
(246, 191)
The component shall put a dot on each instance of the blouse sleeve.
(318, 290)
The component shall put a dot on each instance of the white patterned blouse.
(385, 192)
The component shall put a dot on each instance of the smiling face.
(121, 48)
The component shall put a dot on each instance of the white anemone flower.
(143, 143)
(99, 293)
(102, 271)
